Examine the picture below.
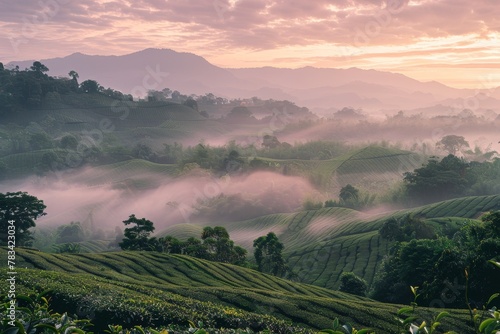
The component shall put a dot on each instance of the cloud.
(214, 28)
(272, 23)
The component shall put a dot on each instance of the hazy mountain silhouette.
(312, 87)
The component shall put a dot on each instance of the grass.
(157, 289)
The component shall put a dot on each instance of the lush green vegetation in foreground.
(153, 289)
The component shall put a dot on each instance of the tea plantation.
(153, 289)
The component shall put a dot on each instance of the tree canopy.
(137, 237)
(452, 144)
(439, 180)
(351, 283)
(438, 266)
(23, 209)
(268, 254)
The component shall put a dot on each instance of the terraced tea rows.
(321, 244)
(152, 289)
(366, 168)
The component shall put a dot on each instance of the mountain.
(325, 88)
(141, 71)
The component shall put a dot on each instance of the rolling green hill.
(368, 168)
(153, 289)
(321, 244)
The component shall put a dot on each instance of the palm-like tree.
(74, 75)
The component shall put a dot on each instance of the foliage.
(23, 209)
(268, 254)
(69, 142)
(349, 195)
(90, 86)
(155, 289)
(406, 228)
(310, 204)
(439, 180)
(33, 315)
(137, 237)
(215, 245)
(452, 144)
(73, 232)
(351, 283)
(269, 141)
(436, 265)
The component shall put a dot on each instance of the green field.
(369, 168)
(153, 289)
(321, 244)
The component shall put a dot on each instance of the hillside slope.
(321, 244)
(368, 168)
(153, 289)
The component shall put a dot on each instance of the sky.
(456, 42)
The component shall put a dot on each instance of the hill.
(309, 86)
(321, 244)
(371, 168)
(153, 289)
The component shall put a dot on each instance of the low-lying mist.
(181, 200)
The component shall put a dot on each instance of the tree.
(439, 180)
(74, 80)
(391, 230)
(240, 114)
(143, 151)
(70, 233)
(269, 141)
(191, 103)
(407, 228)
(90, 86)
(217, 243)
(74, 75)
(69, 142)
(39, 67)
(452, 144)
(22, 209)
(233, 162)
(268, 254)
(349, 196)
(137, 237)
(40, 141)
(351, 283)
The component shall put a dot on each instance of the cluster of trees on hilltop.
(214, 245)
(445, 269)
(452, 177)
(25, 89)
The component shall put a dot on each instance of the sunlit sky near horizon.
(456, 42)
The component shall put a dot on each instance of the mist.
(171, 202)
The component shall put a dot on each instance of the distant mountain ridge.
(312, 87)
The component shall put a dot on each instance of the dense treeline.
(452, 177)
(28, 88)
(215, 243)
(447, 270)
